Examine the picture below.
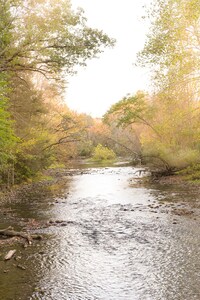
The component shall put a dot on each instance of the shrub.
(103, 153)
(191, 173)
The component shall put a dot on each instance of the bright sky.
(109, 78)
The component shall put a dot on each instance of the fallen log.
(9, 255)
(9, 232)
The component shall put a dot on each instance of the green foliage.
(40, 41)
(191, 173)
(7, 137)
(170, 157)
(168, 121)
(168, 128)
(172, 51)
(30, 159)
(129, 110)
(102, 153)
(50, 42)
(57, 166)
(6, 132)
(172, 46)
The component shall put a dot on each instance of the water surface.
(118, 240)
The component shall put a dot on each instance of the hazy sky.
(112, 76)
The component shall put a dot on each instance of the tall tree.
(43, 37)
(7, 138)
(172, 48)
(169, 119)
(47, 37)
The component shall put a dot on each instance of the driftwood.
(9, 255)
(9, 232)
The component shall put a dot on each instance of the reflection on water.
(119, 243)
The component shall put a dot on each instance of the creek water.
(110, 238)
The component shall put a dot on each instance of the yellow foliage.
(103, 153)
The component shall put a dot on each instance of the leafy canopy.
(47, 37)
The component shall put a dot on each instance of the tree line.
(41, 43)
(167, 121)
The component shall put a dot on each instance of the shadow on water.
(117, 241)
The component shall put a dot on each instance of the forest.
(100, 208)
(42, 42)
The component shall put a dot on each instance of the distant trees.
(124, 142)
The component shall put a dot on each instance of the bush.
(86, 148)
(191, 173)
(103, 153)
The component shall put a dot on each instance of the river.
(110, 237)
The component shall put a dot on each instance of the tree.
(169, 119)
(130, 110)
(123, 141)
(49, 132)
(168, 130)
(172, 47)
(7, 137)
(47, 37)
(40, 39)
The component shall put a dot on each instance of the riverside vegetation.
(38, 130)
(41, 42)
